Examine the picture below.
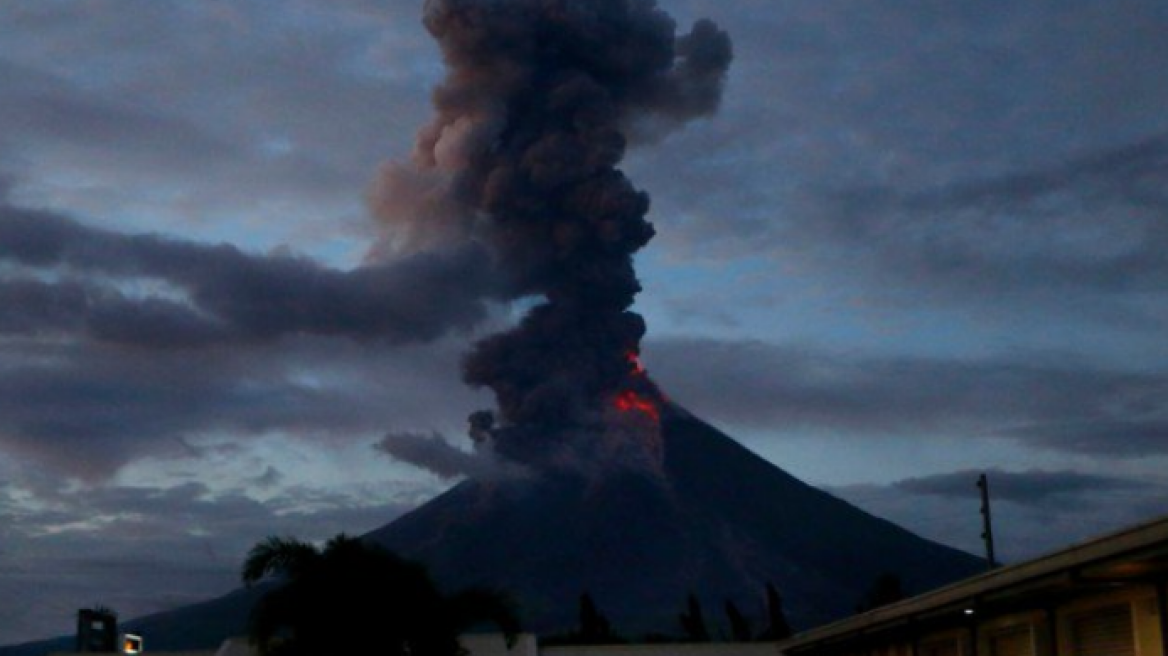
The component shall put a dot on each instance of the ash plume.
(540, 101)
(437, 456)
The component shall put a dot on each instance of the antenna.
(987, 533)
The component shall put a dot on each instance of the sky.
(917, 242)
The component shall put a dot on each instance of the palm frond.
(277, 556)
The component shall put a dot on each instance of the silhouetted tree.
(354, 597)
(594, 626)
(886, 589)
(692, 622)
(739, 625)
(777, 626)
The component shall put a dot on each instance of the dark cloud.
(115, 406)
(1033, 487)
(1120, 436)
(146, 549)
(270, 477)
(1034, 511)
(70, 307)
(1095, 222)
(245, 113)
(226, 294)
(122, 345)
(50, 111)
(964, 158)
(1059, 404)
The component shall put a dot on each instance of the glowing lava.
(630, 401)
(635, 363)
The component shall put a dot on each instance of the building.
(97, 630)
(1105, 597)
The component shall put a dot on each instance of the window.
(946, 647)
(1104, 631)
(1014, 641)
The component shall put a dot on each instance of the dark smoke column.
(539, 103)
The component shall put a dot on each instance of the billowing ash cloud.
(538, 106)
(66, 278)
(439, 457)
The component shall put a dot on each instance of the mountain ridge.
(719, 522)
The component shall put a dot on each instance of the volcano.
(720, 523)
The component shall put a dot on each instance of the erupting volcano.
(521, 160)
(626, 496)
(622, 494)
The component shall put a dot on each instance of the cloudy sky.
(917, 242)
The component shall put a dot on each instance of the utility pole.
(987, 533)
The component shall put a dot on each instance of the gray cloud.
(113, 408)
(234, 118)
(53, 113)
(436, 455)
(1034, 511)
(1057, 404)
(117, 405)
(147, 549)
(1114, 436)
(1094, 222)
(228, 295)
(962, 158)
(124, 345)
(1033, 487)
(269, 478)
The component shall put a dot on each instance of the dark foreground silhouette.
(354, 597)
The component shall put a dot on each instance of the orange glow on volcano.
(635, 363)
(630, 401)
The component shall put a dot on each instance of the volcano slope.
(720, 523)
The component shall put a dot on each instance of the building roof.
(1138, 553)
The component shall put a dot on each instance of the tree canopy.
(353, 597)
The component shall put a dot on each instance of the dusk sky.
(917, 241)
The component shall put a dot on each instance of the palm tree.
(353, 597)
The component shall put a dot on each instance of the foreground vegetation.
(352, 597)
